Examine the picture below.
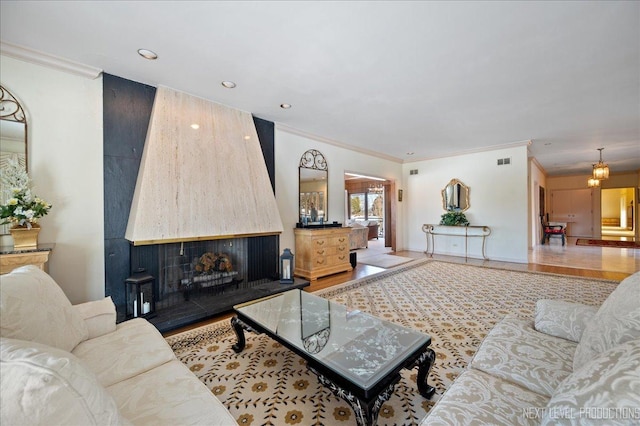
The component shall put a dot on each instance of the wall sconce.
(286, 267)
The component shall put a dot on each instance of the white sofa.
(72, 365)
(574, 364)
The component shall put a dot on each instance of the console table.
(11, 259)
(455, 231)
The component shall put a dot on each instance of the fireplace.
(200, 279)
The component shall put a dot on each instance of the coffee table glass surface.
(357, 346)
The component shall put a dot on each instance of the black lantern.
(139, 295)
(286, 267)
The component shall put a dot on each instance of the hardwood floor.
(570, 259)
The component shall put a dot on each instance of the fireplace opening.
(201, 279)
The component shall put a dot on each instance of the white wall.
(64, 114)
(498, 198)
(289, 148)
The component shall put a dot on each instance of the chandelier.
(376, 187)
(592, 183)
(600, 170)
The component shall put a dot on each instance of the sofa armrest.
(563, 319)
(99, 316)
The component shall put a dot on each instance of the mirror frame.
(314, 160)
(452, 183)
(11, 110)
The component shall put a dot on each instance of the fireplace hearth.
(201, 279)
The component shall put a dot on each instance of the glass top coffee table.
(356, 355)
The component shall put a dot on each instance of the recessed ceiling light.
(247, 137)
(147, 54)
(228, 84)
(285, 106)
(195, 126)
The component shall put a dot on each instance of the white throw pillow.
(33, 307)
(617, 321)
(606, 390)
(42, 385)
(99, 316)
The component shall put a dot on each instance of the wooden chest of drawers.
(321, 251)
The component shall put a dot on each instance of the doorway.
(617, 209)
(369, 199)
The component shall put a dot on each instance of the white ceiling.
(432, 78)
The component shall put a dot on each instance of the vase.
(24, 238)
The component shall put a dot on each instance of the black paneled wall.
(127, 109)
(263, 250)
(126, 113)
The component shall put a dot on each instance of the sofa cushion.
(45, 385)
(563, 319)
(617, 321)
(99, 316)
(477, 398)
(515, 352)
(169, 395)
(606, 390)
(135, 347)
(33, 307)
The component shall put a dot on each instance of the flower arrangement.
(23, 209)
(454, 219)
(209, 263)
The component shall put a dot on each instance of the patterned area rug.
(456, 304)
(606, 243)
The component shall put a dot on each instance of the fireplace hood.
(202, 175)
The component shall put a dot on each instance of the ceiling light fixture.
(600, 170)
(228, 84)
(592, 183)
(195, 126)
(285, 106)
(148, 54)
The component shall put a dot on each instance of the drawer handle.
(320, 261)
(342, 257)
(341, 240)
(342, 248)
(320, 252)
(320, 242)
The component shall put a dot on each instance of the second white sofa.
(72, 365)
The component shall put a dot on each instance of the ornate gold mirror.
(13, 139)
(313, 181)
(455, 196)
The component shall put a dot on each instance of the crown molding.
(304, 134)
(474, 151)
(47, 60)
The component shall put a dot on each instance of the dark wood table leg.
(425, 362)
(238, 327)
(366, 412)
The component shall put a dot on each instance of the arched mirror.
(455, 196)
(13, 139)
(313, 181)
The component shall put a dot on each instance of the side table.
(11, 259)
